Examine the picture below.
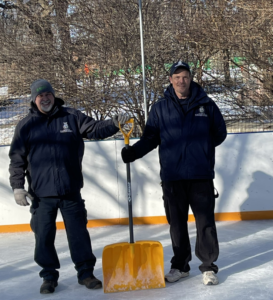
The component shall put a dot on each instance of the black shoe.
(91, 282)
(48, 286)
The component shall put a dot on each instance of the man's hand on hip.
(20, 196)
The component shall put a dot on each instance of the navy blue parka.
(187, 140)
(48, 149)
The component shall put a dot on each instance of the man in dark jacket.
(187, 126)
(48, 148)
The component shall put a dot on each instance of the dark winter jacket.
(186, 140)
(48, 149)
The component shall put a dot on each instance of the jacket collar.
(197, 95)
(57, 105)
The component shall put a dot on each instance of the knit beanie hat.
(40, 86)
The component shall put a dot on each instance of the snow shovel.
(132, 266)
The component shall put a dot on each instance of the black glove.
(128, 154)
(120, 119)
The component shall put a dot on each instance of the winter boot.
(210, 278)
(91, 282)
(48, 286)
(174, 275)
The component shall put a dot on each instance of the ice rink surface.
(245, 263)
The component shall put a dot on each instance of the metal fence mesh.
(90, 52)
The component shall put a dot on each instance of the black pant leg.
(75, 219)
(176, 208)
(43, 224)
(202, 202)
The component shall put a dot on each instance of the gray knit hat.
(40, 86)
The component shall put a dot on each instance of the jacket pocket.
(33, 220)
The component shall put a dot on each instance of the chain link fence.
(90, 52)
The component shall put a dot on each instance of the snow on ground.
(245, 262)
(9, 117)
(15, 111)
(6, 135)
(4, 91)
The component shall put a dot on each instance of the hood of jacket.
(58, 102)
(197, 95)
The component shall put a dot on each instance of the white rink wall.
(244, 180)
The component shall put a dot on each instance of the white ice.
(245, 263)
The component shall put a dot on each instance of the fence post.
(142, 59)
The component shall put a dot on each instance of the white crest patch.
(65, 128)
(201, 112)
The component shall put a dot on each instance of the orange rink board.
(229, 216)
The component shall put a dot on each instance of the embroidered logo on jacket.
(65, 128)
(201, 112)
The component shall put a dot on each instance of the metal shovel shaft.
(129, 190)
(129, 194)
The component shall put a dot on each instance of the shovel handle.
(129, 190)
(127, 135)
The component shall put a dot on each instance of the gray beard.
(47, 109)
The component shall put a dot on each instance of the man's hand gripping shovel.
(132, 266)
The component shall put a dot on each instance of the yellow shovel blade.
(128, 267)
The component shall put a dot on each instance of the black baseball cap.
(177, 65)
